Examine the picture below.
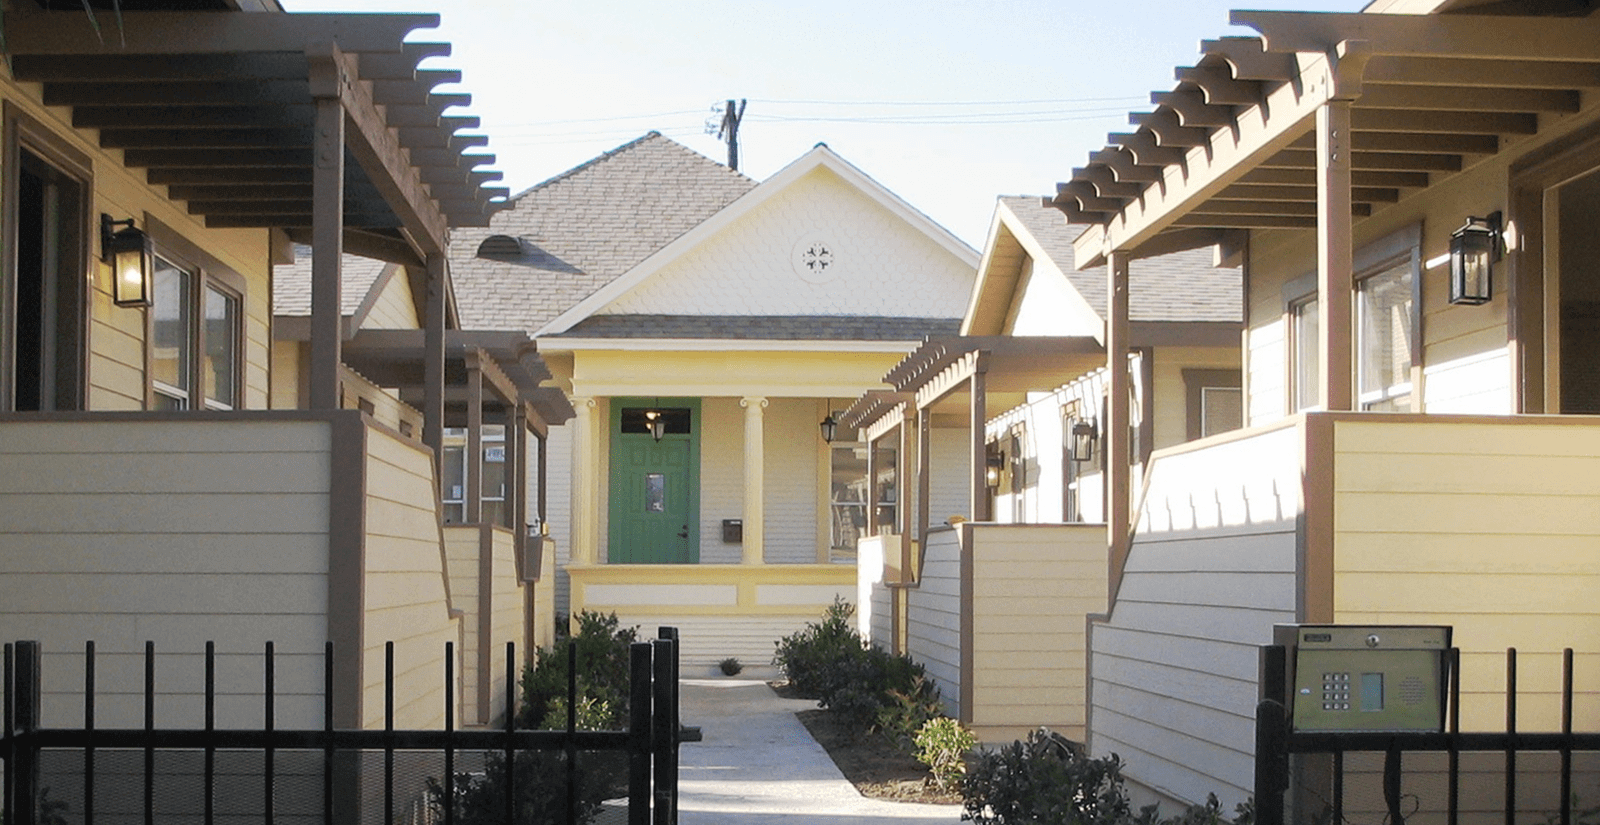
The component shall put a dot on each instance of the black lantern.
(657, 422)
(1473, 250)
(830, 428)
(1083, 436)
(991, 471)
(132, 258)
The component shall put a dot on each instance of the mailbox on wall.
(1366, 677)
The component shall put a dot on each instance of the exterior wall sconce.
(657, 422)
(132, 258)
(830, 428)
(1083, 438)
(1473, 250)
(991, 471)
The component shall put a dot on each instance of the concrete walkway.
(759, 766)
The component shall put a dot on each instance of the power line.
(1040, 101)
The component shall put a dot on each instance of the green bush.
(540, 797)
(1048, 779)
(603, 670)
(812, 658)
(942, 745)
(1045, 779)
(730, 666)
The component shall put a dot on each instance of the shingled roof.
(1182, 286)
(762, 327)
(566, 237)
(291, 283)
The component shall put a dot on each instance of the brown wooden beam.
(213, 158)
(1308, 194)
(1245, 221)
(1474, 123)
(1286, 176)
(1219, 86)
(1384, 161)
(175, 93)
(1249, 60)
(1373, 141)
(205, 138)
(1145, 151)
(1430, 35)
(176, 32)
(1237, 207)
(162, 176)
(147, 68)
(1192, 109)
(1468, 99)
(1492, 74)
(1164, 124)
(191, 117)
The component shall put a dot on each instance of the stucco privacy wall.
(185, 532)
(404, 599)
(1486, 525)
(750, 267)
(1173, 667)
(1464, 359)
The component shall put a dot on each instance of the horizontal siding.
(1487, 527)
(405, 600)
(507, 623)
(178, 532)
(1174, 667)
(1033, 588)
(116, 350)
(933, 617)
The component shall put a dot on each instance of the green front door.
(655, 512)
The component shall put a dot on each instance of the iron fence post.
(25, 720)
(666, 726)
(1272, 762)
(640, 720)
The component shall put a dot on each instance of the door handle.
(685, 533)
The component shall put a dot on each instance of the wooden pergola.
(1318, 124)
(321, 125)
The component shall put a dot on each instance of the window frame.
(1403, 246)
(1195, 383)
(207, 273)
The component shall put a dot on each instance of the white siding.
(721, 476)
(559, 502)
(793, 447)
(933, 616)
(1174, 668)
(949, 483)
(748, 268)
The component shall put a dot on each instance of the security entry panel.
(1366, 677)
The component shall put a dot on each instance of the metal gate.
(153, 774)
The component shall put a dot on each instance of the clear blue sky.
(557, 82)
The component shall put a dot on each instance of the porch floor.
(759, 766)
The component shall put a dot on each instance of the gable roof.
(820, 156)
(1182, 287)
(581, 229)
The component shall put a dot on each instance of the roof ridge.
(605, 156)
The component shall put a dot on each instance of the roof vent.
(502, 246)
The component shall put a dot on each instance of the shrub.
(540, 797)
(603, 665)
(730, 666)
(811, 658)
(1045, 779)
(942, 745)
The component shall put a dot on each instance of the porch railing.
(1304, 776)
(242, 775)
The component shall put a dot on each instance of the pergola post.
(474, 503)
(978, 490)
(433, 355)
(755, 463)
(1335, 279)
(517, 463)
(1118, 409)
(907, 473)
(327, 232)
(872, 486)
(924, 467)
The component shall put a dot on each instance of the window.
(848, 495)
(453, 476)
(196, 326)
(1384, 327)
(1215, 403)
(1306, 360)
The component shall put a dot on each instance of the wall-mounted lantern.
(1474, 248)
(993, 464)
(657, 422)
(132, 258)
(830, 428)
(1083, 438)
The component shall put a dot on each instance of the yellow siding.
(1487, 527)
(394, 308)
(1171, 421)
(405, 601)
(508, 625)
(544, 597)
(286, 375)
(181, 532)
(116, 335)
(1032, 587)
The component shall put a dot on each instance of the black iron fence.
(1446, 777)
(151, 774)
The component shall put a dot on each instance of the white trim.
(547, 345)
(822, 157)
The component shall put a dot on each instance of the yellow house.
(161, 483)
(713, 324)
(999, 430)
(1416, 450)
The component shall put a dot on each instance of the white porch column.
(586, 475)
(755, 464)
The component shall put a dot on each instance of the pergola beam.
(167, 33)
(1429, 35)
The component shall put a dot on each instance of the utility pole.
(729, 131)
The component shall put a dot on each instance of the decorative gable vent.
(503, 246)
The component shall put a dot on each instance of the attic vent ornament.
(815, 260)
